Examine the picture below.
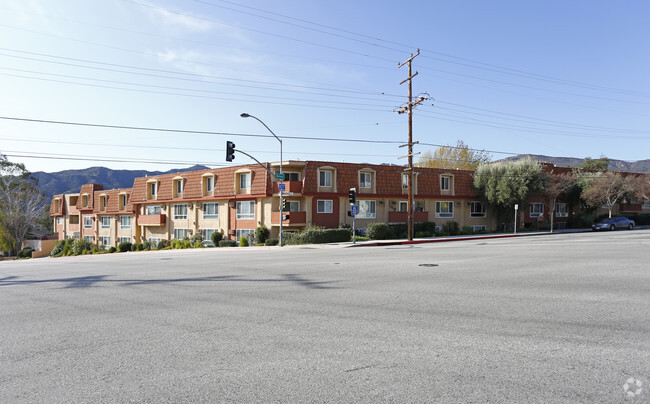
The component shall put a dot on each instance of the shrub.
(186, 243)
(162, 244)
(378, 231)
(147, 245)
(272, 241)
(261, 234)
(227, 243)
(467, 230)
(198, 244)
(124, 247)
(176, 244)
(318, 235)
(81, 246)
(57, 250)
(112, 250)
(243, 241)
(422, 234)
(198, 237)
(216, 237)
(25, 253)
(450, 227)
(425, 227)
(137, 247)
(581, 220)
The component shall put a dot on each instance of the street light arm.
(245, 115)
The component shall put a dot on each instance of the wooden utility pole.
(409, 108)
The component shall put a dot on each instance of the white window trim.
(328, 175)
(90, 222)
(536, 214)
(211, 216)
(247, 183)
(564, 213)
(445, 215)
(365, 184)
(478, 227)
(325, 206)
(104, 226)
(476, 214)
(123, 226)
(399, 207)
(153, 207)
(367, 215)
(442, 182)
(178, 230)
(292, 203)
(178, 216)
(209, 183)
(248, 215)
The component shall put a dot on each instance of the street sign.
(281, 187)
(354, 210)
(279, 176)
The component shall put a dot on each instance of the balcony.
(152, 220)
(631, 207)
(73, 227)
(402, 217)
(295, 218)
(290, 186)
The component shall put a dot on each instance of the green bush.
(196, 238)
(581, 220)
(467, 230)
(186, 243)
(216, 237)
(243, 241)
(450, 227)
(197, 244)
(137, 247)
(378, 231)
(227, 243)
(425, 227)
(272, 241)
(640, 220)
(57, 250)
(162, 244)
(261, 234)
(112, 250)
(81, 246)
(317, 235)
(423, 234)
(176, 244)
(25, 253)
(124, 247)
(147, 245)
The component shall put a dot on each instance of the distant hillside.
(641, 166)
(70, 181)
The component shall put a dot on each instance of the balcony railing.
(631, 207)
(402, 217)
(295, 218)
(73, 227)
(290, 186)
(152, 220)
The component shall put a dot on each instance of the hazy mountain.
(70, 181)
(641, 166)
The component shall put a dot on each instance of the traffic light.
(284, 204)
(353, 196)
(230, 151)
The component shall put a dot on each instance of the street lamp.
(245, 115)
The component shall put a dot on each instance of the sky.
(161, 84)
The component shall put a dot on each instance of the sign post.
(516, 209)
(354, 210)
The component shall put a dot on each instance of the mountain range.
(70, 181)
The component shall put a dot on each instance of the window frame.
(89, 224)
(536, 214)
(153, 189)
(365, 180)
(325, 204)
(403, 203)
(245, 181)
(105, 240)
(177, 214)
(209, 184)
(367, 212)
(325, 178)
(445, 183)
(155, 208)
(475, 213)
(213, 216)
(562, 212)
(448, 213)
(207, 233)
(185, 232)
(125, 226)
(250, 215)
(108, 219)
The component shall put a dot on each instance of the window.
(59, 221)
(324, 206)
(209, 183)
(561, 210)
(478, 228)
(123, 201)
(102, 202)
(207, 233)
(477, 209)
(125, 239)
(366, 210)
(536, 209)
(325, 179)
(84, 201)
(106, 222)
(403, 206)
(444, 209)
(153, 210)
(155, 240)
(444, 183)
(88, 222)
(244, 180)
(246, 210)
(291, 176)
(405, 181)
(125, 222)
(211, 210)
(243, 232)
(365, 180)
(153, 189)
(105, 241)
(645, 204)
(179, 187)
(89, 239)
(180, 234)
(291, 206)
(180, 211)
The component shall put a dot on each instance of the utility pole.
(409, 108)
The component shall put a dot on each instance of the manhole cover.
(428, 265)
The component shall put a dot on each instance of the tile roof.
(113, 200)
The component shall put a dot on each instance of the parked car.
(207, 243)
(614, 223)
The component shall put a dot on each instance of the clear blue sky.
(560, 78)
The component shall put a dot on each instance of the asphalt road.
(558, 318)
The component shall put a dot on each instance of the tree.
(454, 157)
(21, 204)
(607, 189)
(505, 184)
(641, 186)
(600, 164)
(558, 184)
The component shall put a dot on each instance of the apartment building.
(236, 200)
